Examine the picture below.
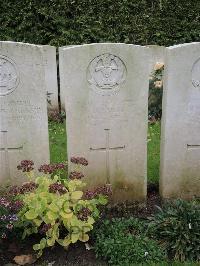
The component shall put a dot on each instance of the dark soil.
(136, 209)
(77, 254)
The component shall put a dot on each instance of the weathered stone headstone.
(180, 144)
(62, 101)
(23, 109)
(51, 86)
(105, 88)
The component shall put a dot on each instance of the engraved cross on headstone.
(6, 149)
(107, 150)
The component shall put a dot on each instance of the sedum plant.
(59, 210)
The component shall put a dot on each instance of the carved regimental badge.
(9, 77)
(106, 71)
(196, 74)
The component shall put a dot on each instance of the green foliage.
(155, 92)
(153, 152)
(124, 242)
(8, 218)
(54, 210)
(177, 227)
(4, 212)
(61, 22)
(58, 143)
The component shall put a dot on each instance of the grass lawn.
(58, 146)
(58, 143)
(153, 154)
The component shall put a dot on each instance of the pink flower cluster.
(4, 202)
(26, 166)
(83, 214)
(105, 190)
(56, 187)
(25, 188)
(76, 175)
(11, 205)
(79, 160)
(52, 168)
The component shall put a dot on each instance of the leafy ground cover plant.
(9, 207)
(57, 208)
(124, 242)
(177, 227)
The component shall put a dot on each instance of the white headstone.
(23, 109)
(105, 87)
(180, 144)
(62, 101)
(51, 86)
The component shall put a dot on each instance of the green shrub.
(54, 206)
(57, 208)
(124, 242)
(177, 227)
(61, 22)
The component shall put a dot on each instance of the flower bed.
(51, 211)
